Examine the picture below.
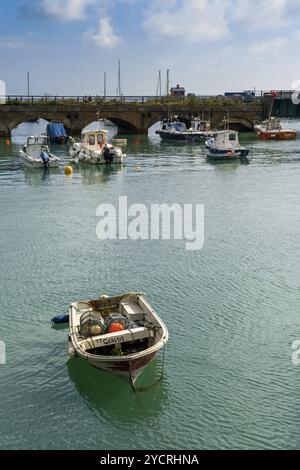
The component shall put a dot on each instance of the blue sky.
(210, 46)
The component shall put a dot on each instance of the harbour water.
(232, 309)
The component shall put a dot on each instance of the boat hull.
(182, 136)
(276, 135)
(226, 155)
(128, 369)
(34, 163)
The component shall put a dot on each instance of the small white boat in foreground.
(36, 153)
(121, 335)
(224, 145)
(94, 149)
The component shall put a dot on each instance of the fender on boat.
(60, 319)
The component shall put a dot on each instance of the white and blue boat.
(224, 145)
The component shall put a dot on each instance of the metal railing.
(96, 99)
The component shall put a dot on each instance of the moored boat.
(176, 130)
(224, 145)
(36, 153)
(271, 129)
(120, 335)
(94, 149)
(56, 132)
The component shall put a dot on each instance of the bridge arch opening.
(102, 124)
(25, 127)
(237, 124)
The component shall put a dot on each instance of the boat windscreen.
(178, 126)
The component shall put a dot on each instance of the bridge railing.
(145, 99)
(95, 99)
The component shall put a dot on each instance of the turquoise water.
(232, 309)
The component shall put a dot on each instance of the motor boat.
(36, 153)
(120, 335)
(176, 130)
(271, 129)
(224, 145)
(94, 149)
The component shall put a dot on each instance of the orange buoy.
(7, 142)
(68, 170)
(115, 327)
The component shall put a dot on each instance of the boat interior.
(116, 326)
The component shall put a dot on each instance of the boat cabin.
(94, 140)
(226, 139)
(38, 140)
(200, 125)
(174, 127)
(36, 145)
(271, 124)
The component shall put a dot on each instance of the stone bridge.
(129, 118)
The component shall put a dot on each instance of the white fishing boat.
(94, 149)
(36, 153)
(121, 335)
(224, 145)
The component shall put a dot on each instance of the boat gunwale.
(117, 359)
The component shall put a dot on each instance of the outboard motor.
(45, 158)
(108, 155)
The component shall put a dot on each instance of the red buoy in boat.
(115, 327)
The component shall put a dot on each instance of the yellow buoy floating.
(68, 170)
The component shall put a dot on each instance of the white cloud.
(263, 14)
(270, 46)
(212, 20)
(192, 20)
(12, 42)
(65, 10)
(104, 36)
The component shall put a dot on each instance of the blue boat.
(57, 133)
(224, 145)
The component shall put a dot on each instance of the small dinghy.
(94, 149)
(224, 145)
(121, 335)
(36, 153)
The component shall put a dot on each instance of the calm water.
(232, 309)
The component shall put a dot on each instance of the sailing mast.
(168, 82)
(119, 90)
(158, 88)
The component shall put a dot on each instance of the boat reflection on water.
(93, 174)
(229, 165)
(112, 397)
(39, 177)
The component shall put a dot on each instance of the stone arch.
(124, 126)
(236, 123)
(22, 118)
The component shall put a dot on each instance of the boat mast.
(28, 84)
(119, 91)
(104, 85)
(158, 88)
(168, 82)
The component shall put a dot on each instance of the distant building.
(178, 91)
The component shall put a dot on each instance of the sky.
(210, 46)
